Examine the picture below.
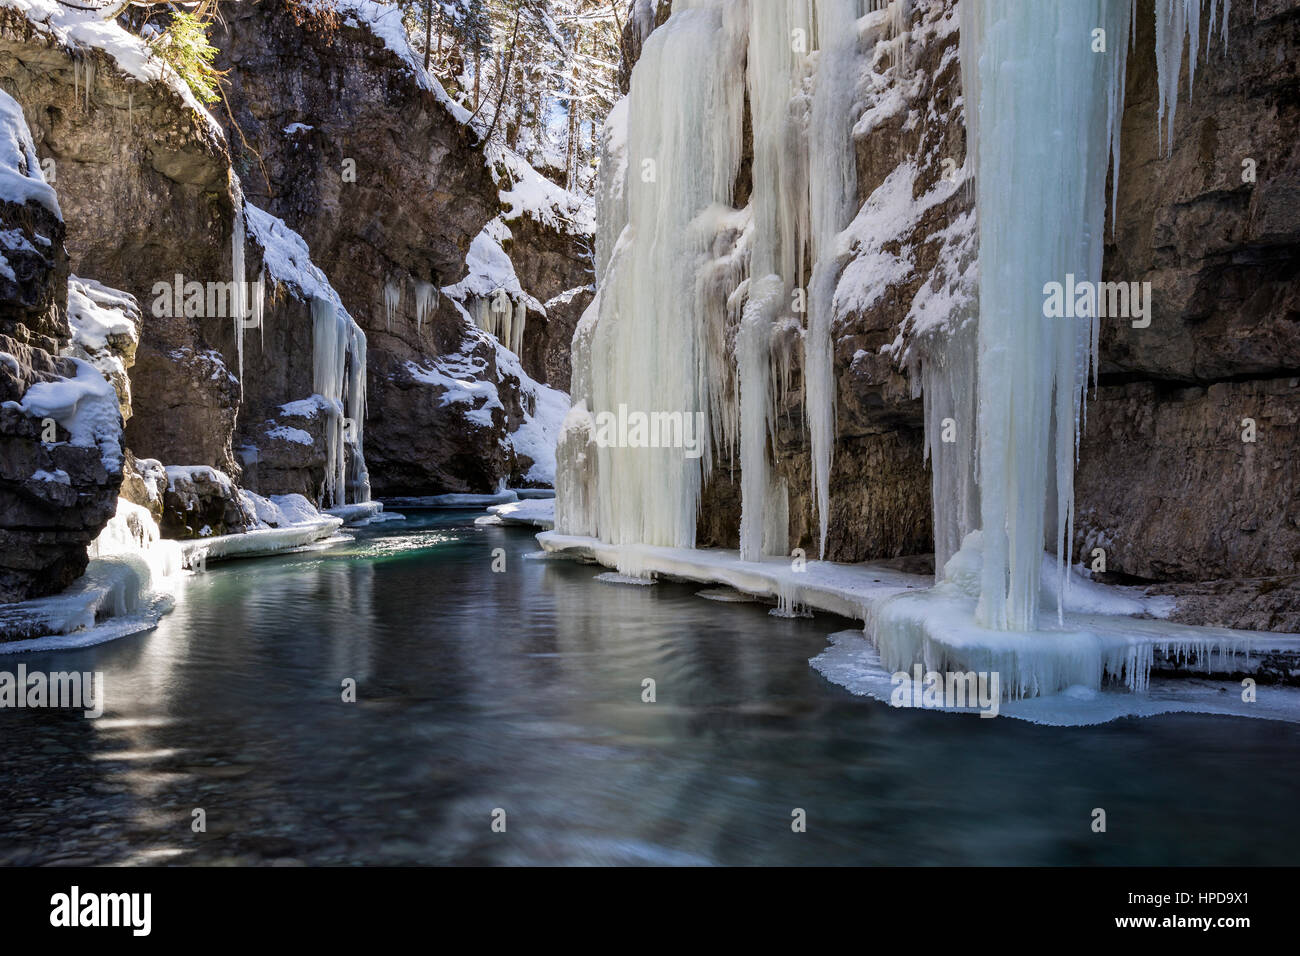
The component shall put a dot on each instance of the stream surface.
(522, 691)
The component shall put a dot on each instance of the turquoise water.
(522, 691)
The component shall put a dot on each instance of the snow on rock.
(72, 27)
(526, 192)
(303, 407)
(457, 376)
(105, 326)
(384, 20)
(536, 438)
(127, 586)
(289, 433)
(278, 511)
(339, 357)
(21, 178)
(86, 405)
(535, 513)
(461, 378)
(490, 270)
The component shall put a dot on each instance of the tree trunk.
(428, 31)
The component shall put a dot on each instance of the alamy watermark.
(64, 689)
(626, 429)
(1102, 300)
(208, 300)
(948, 690)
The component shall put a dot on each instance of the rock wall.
(1166, 483)
(145, 191)
(55, 496)
(337, 135)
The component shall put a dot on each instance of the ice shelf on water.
(1101, 646)
(361, 513)
(463, 501)
(693, 313)
(532, 512)
(127, 586)
(261, 540)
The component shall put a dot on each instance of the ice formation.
(127, 586)
(339, 376)
(247, 301)
(392, 300)
(832, 185)
(1034, 83)
(338, 356)
(426, 299)
(702, 306)
(694, 307)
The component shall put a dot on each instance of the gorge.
(965, 328)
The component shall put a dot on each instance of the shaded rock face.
(147, 191)
(556, 270)
(54, 497)
(417, 446)
(144, 187)
(1166, 480)
(1171, 491)
(420, 194)
(202, 504)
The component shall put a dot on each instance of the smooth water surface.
(522, 691)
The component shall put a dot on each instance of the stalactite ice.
(832, 185)
(684, 277)
(426, 300)
(339, 377)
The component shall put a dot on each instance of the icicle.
(356, 406)
(426, 299)
(949, 388)
(1179, 21)
(832, 183)
(339, 377)
(646, 349)
(781, 226)
(259, 307)
(238, 298)
(392, 300)
(753, 354)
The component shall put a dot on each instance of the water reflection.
(522, 690)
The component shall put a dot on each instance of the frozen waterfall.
(698, 300)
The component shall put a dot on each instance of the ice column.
(682, 153)
(1038, 122)
(832, 188)
(339, 377)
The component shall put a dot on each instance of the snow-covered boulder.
(60, 426)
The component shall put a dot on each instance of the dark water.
(522, 691)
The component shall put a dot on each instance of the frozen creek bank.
(1095, 662)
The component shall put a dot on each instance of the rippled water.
(522, 691)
